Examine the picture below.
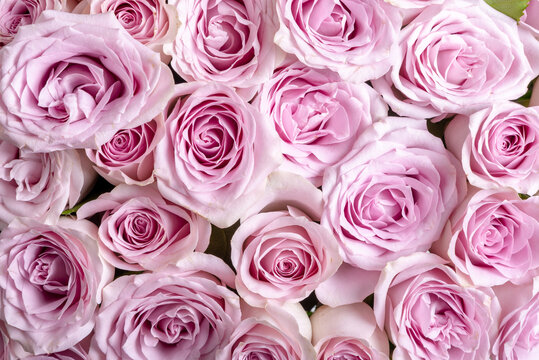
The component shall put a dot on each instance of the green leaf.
(512, 8)
(524, 196)
(73, 209)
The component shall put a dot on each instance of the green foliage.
(512, 8)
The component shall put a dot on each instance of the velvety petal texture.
(429, 315)
(140, 230)
(493, 237)
(72, 81)
(456, 57)
(317, 116)
(357, 39)
(50, 283)
(498, 146)
(391, 195)
(217, 152)
(181, 312)
(41, 185)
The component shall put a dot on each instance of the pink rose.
(184, 312)
(16, 13)
(50, 283)
(271, 333)
(518, 334)
(317, 116)
(128, 156)
(413, 4)
(140, 230)
(429, 315)
(348, 332)
(40, 185)
(493, 237)
(152, 22)
(281, 253)
(72, 81)
(217, 152)
(228, 41)
(75, 353)
(457, 57)
(498, 146)
(357, 39)
(392, 195)
(530, 19)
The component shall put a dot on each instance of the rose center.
(48, 272)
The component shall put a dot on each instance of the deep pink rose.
(281, 253)
(518, 335)
(357, 39)
(181, 312)
(498, 146)
(392, 195)
(493, 237)
(457, 57)
(317, 115)
(429, 315)
(140, 230)
(72, 81)
(275, 332)
(40, 185)
(16, 13)
(217, 152)
(128, 156)
(348, 332)
(50, 283)
(225, 41)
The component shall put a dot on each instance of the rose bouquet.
(269, 179)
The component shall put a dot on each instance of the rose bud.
(50, 283)
(140, 230)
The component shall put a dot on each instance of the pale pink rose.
(498, 146)
(357, 39)
(225, 41)
(392, 195)
(429, 315)
(518, 335)
(72, 81)
(140, 230)
(281, 253)
(16, 13)
(128, 156)
(413, 4)
(41, 185)
(493, 237)
(75, 353)
(457, 57)
(217, 152)
(50, 283)
(317, 115)
(348, 332)
(530, 19)
(151, 22)
(181, 312)
(271, 333)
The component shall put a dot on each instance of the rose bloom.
(357, 39)
(493, 237)
(413, 4)
(40, 185)
(275, 332)
(281, 253)
(50, 283)
(128, 156)
(392, 195)
(75, 353)
(16, 13)
(530, 19)
(72, 81)
(140, 230)
(151, 22)
(429, 315)
(457, 57)
(317, 115)
(225, 41)
(181, 312)
(498, 146)
(217, 152)
(518, 336)
(348, 332)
